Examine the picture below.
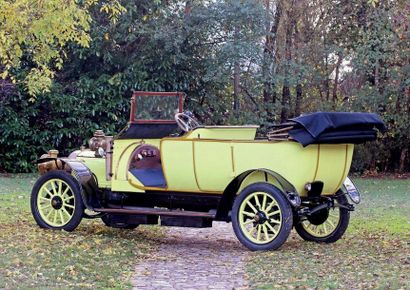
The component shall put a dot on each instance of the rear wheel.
(327, 225)
(56, 201)
(261, 217)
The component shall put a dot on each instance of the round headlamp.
(352, 191)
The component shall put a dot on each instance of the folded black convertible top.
(339, 127)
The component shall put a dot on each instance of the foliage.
(373, 254)
(34, 33)
(239, 62)
(93, 256)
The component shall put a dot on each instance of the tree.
(35, 33)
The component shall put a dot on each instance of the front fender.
(86, 179)
(83, 175)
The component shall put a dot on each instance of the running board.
(155, 211)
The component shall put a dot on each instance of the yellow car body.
(148, 174)
(207, 159)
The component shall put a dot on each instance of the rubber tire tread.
(78, 206)
(287, 216)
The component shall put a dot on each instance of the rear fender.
(246, 178)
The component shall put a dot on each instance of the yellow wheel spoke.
(61, 216)
(54, 188)
(257, 201)
(252, 230)
(68, 205)
(45, 199)
(252, 215)
(60, 187)
(333, 215)
(270, 206)
(330, 223)
(55, 216)
(48, 191)
(258, 235)
(44, 206)
(273, 213)
(65, 191)
(264, 202)
(68, 198)
(251, 206)
(49, 214)
(66, 212)
(249, 222)
(265, 231)
(274, 221)
(271, 228)
(324, 228)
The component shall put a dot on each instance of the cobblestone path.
(208, 258)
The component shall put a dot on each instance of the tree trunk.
(327, 87)
(403, 159)
(298, 101)
(269, 87)
(236, 78)
(236, 86)
(288, 53)
(297, 42)
(339, 62)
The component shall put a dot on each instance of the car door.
(178, 165)
(213, 164)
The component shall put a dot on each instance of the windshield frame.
(134, 108)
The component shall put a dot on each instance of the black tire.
(76, 209)
(107, 220)
(285, 216)
(336, 234)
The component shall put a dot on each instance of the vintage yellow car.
(153, 173)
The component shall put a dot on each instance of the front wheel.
(327, 225)
(261, 217)
(56, 201)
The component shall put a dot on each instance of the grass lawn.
(93, 256)
(373, 254)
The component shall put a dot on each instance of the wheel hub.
(56, 202)
(260, 217)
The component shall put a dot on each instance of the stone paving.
(189, 258)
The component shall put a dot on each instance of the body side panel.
(213, 165)
(334, 165)
(97, 167)
(123, 148)
(223, 133)
(178, 165)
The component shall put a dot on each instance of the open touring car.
(152, 173)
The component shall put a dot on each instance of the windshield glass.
(156, 106)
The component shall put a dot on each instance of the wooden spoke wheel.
(56, 201)
(261, 217)
(327, 225)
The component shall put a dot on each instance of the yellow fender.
(272, 177)
(79, 171)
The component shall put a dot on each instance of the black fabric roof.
(336, 127)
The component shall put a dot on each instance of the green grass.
(373, 254)
(93, 256)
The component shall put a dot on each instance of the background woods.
(248, 61)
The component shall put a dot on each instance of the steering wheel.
(185, 121)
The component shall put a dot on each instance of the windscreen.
(156, 107)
